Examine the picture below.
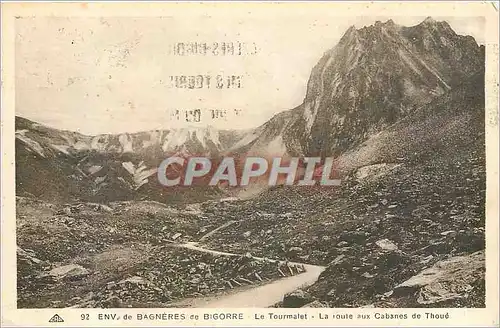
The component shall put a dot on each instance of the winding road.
(261, 296)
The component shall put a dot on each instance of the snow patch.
(140, 174)
(409, 62)
(129, 166)
(276, 145)
(32, 144)
(155, 137)
(94, 169)
(63, 149)
(247, 139)
(126, 143)
(177, 138)
(75, 143)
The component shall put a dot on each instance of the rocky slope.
(417, 197)
(124, 254)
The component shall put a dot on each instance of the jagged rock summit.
(374, 76)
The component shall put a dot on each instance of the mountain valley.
(402, 110)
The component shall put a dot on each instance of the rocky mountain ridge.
(184, 141)
(373, 77)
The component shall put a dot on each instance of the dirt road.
(261, 296)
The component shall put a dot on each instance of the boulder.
(446, 280)
(337, 260)
(21, 253)
(296, 299)
(133, 280)
(386, 245)
(314, 304)
(295, 250)
(70, 271)
(105, 208)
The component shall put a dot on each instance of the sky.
(111, 74)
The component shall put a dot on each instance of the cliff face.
(373, 77)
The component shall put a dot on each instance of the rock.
(386, 244)
(314, 304)
(112, 302)
(195, 281)
(368, 306)
(134, 280)
(388, 294)
(446, 280)
(105, 208)
(342, 244)
(296, 299)
(427, 259)
(247, 234)
(367, 275)
(27, 255)
(295, 250)
(337, 260)
(421, 212)
(304, 258)
(176, 235)
(111, 285)
(70, 271)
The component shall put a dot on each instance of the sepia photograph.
(251, 159)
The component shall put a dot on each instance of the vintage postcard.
(247, 164)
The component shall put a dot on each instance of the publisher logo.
(56, 318)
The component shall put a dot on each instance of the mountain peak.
(429, 20)
(388, 23)
(349, 35)
(376, 75)
(350, 31)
